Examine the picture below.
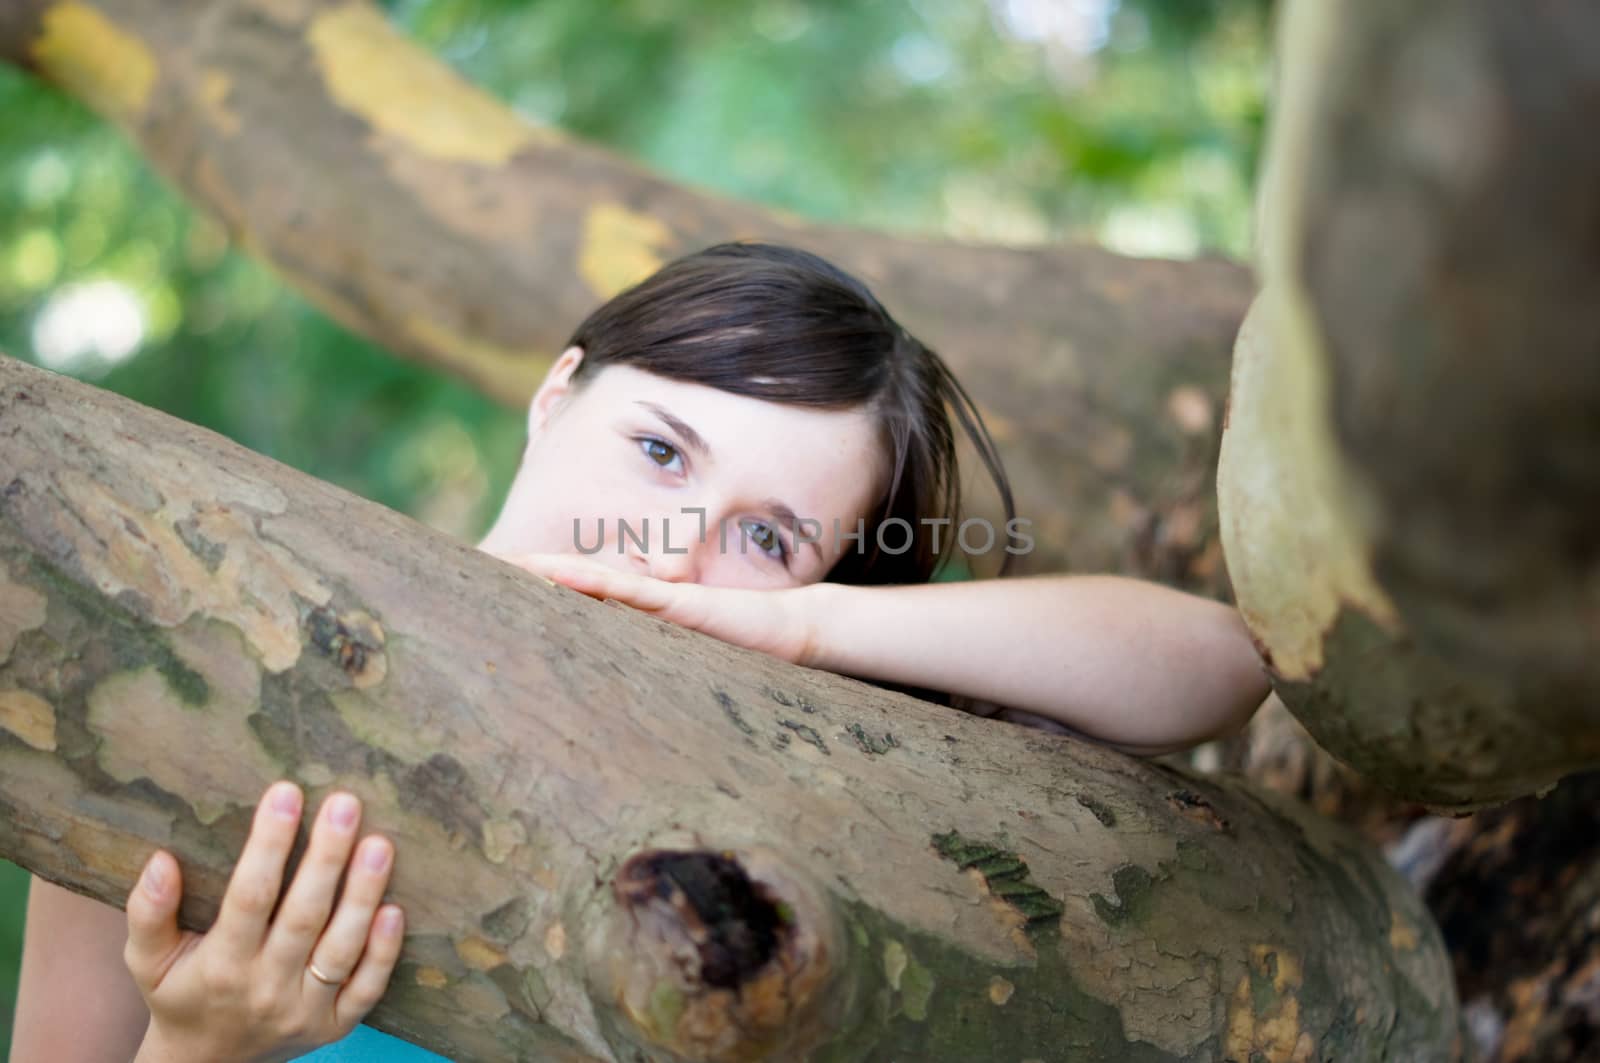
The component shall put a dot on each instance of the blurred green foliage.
(1136, 124)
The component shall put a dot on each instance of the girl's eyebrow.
(690, 436)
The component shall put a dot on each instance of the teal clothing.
(366, 1045)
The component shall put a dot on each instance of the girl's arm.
(1138, 665)
(76, 1002)
(1144, 667)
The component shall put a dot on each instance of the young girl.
(746, 444)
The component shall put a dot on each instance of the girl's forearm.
(1133, 663)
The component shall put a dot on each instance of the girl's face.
(630, 447)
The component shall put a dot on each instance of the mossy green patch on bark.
(1005, 873)
(134, 641)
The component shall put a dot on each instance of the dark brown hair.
(781, 324)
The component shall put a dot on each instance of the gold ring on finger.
(316, 973)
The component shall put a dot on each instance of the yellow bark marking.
(503, 373)
(223, 762)
(432, 977)
(1402, 935)
(501, 837)
(96, 60)
(1000, 990)
(214, 88)
(22, 609)
(620, 248)
(479, 954)
(1273, 1033)
(29, 717)
(406, 93)
(894, 963)
(555, 941)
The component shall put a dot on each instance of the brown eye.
(663, 454)
(765, 537)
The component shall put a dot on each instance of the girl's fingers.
(304, 912)
(340, 948)
(371, 977)
(601, 581)
(153, 934)
(253, 890)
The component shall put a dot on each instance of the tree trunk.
(622, 840)
(422, 213)
(1410, 503)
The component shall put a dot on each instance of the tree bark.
(1411, 504)
(619, 839)
(422, 213)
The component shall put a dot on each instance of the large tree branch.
(1410, 482)
(587, 802)
(424, 214)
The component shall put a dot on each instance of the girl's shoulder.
(366, 1045)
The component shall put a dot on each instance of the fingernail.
(389, 921)
(376, 856)
(286, 802)
(342, 811)
(155, 878)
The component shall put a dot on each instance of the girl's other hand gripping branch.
(256, 987)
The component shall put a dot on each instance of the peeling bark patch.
(1004, 873)
(1000, 991)
(131, 711)
(508, 922)
(1402, 935)
(29, 717)
(807, 733)
(501, 837)
(480, 955)
(620, 247)
(403, 92)
(432, 978)
(1264, 1011)
(555, 941)
(354, 640)
(210, 553)
(22, 609)
(440, 789)
(871, 744)
(95, 60)
(1132, 884)
(1099, 810)
(256, 585)
(1194, 807)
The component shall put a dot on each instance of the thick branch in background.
(422, 213)
(1410, 481)
(620, 839)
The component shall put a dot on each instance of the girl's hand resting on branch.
(775, 622)
(258, 987)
